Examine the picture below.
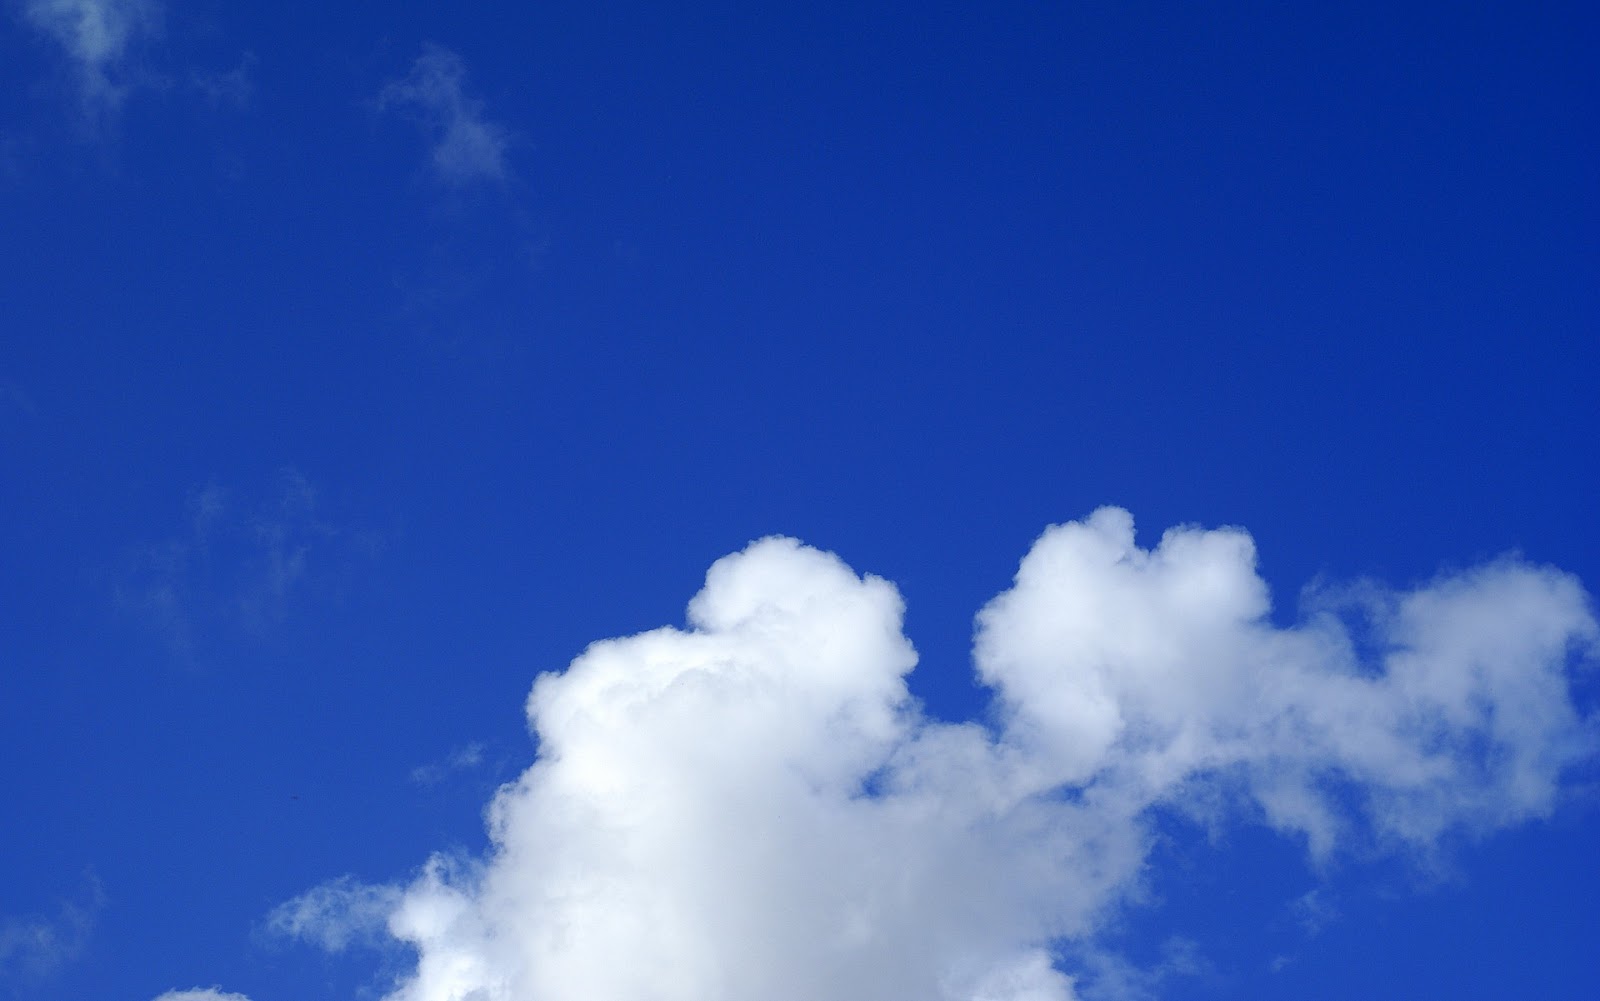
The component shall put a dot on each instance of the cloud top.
(466, 146)
(754, 807)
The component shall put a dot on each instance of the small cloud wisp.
(466, 146)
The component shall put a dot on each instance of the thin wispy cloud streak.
(98, 37)
(465, 146)
(754, 806)
(201, 994)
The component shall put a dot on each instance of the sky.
(1018, 502)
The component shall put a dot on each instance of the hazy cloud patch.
(99, 38)
(465, 146)
(462, 759)
(33, 947)
(201, 994)
(240, 563)
(227, 88)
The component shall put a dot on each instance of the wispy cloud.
(466, 147)
(99, 38)
(755, 807)
(227, 88)
(337, 914)
(1314, 910)
(460, 760)
(202, 994)
(238, 563)
(34, 947)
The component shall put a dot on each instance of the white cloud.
(97, 35)
(466, 146)
(201, 994)
(1138, 671)
(335, 915)
(754, 807)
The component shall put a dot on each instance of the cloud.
(755, 807)
(466, 146)
(98, 37)
(460, 760)
(35, 946)
(232, 88)
(202, 994)
(336, 915)
(1314, 911)
(238, 564)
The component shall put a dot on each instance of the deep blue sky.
(314, 455)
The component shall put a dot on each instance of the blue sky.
(358, 367)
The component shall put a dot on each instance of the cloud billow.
(755, 807)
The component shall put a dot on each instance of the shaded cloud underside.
(754, 807)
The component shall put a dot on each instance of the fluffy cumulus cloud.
(466, 146)
(755, 807)
(97, 36)
(201, 994)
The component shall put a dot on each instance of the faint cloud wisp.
(238, 566)
(466, 146)
(201, 994)
(98, 37)
(35, 946)
(227, 89)
(460, 760)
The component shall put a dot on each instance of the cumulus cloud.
(466, 146)
(97, 36)
(755, 807)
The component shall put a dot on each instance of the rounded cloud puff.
(754, 807)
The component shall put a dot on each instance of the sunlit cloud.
(755, 806)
